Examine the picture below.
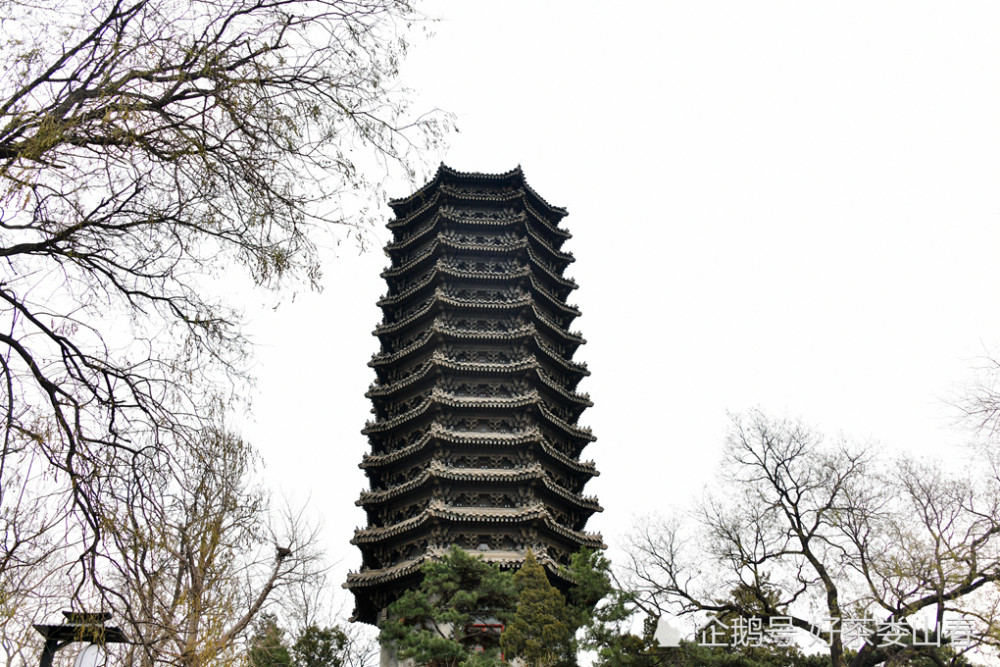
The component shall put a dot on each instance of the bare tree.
(806, 527)
(145, 147)
(981, 405)
(33, 555)
(193, 573)
(319, 633)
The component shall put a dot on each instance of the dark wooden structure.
(78, 627)
(475, 439)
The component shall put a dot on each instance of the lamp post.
(78, 627)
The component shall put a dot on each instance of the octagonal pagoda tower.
(475, 439)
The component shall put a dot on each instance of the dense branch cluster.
(821, 535)
(146, 146)
(197, 565)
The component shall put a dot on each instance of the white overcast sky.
(792, 205)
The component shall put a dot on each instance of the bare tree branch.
(145, 147)
(808, 526)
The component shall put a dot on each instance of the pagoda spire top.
(446, 175)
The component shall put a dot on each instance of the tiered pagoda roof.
(475, 440)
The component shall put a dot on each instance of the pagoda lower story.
(475, 439)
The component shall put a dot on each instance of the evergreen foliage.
(435, 623)
(320, 647)
(313, 646)
(542, 628)
(589, 570)
(267, 645)
(605, 614)
(690, 654)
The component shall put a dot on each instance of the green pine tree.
(541, 632)
(319, 647)
(267, 645)
(436, 624)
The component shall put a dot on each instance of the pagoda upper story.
(475, 440)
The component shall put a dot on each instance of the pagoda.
(474, 439)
